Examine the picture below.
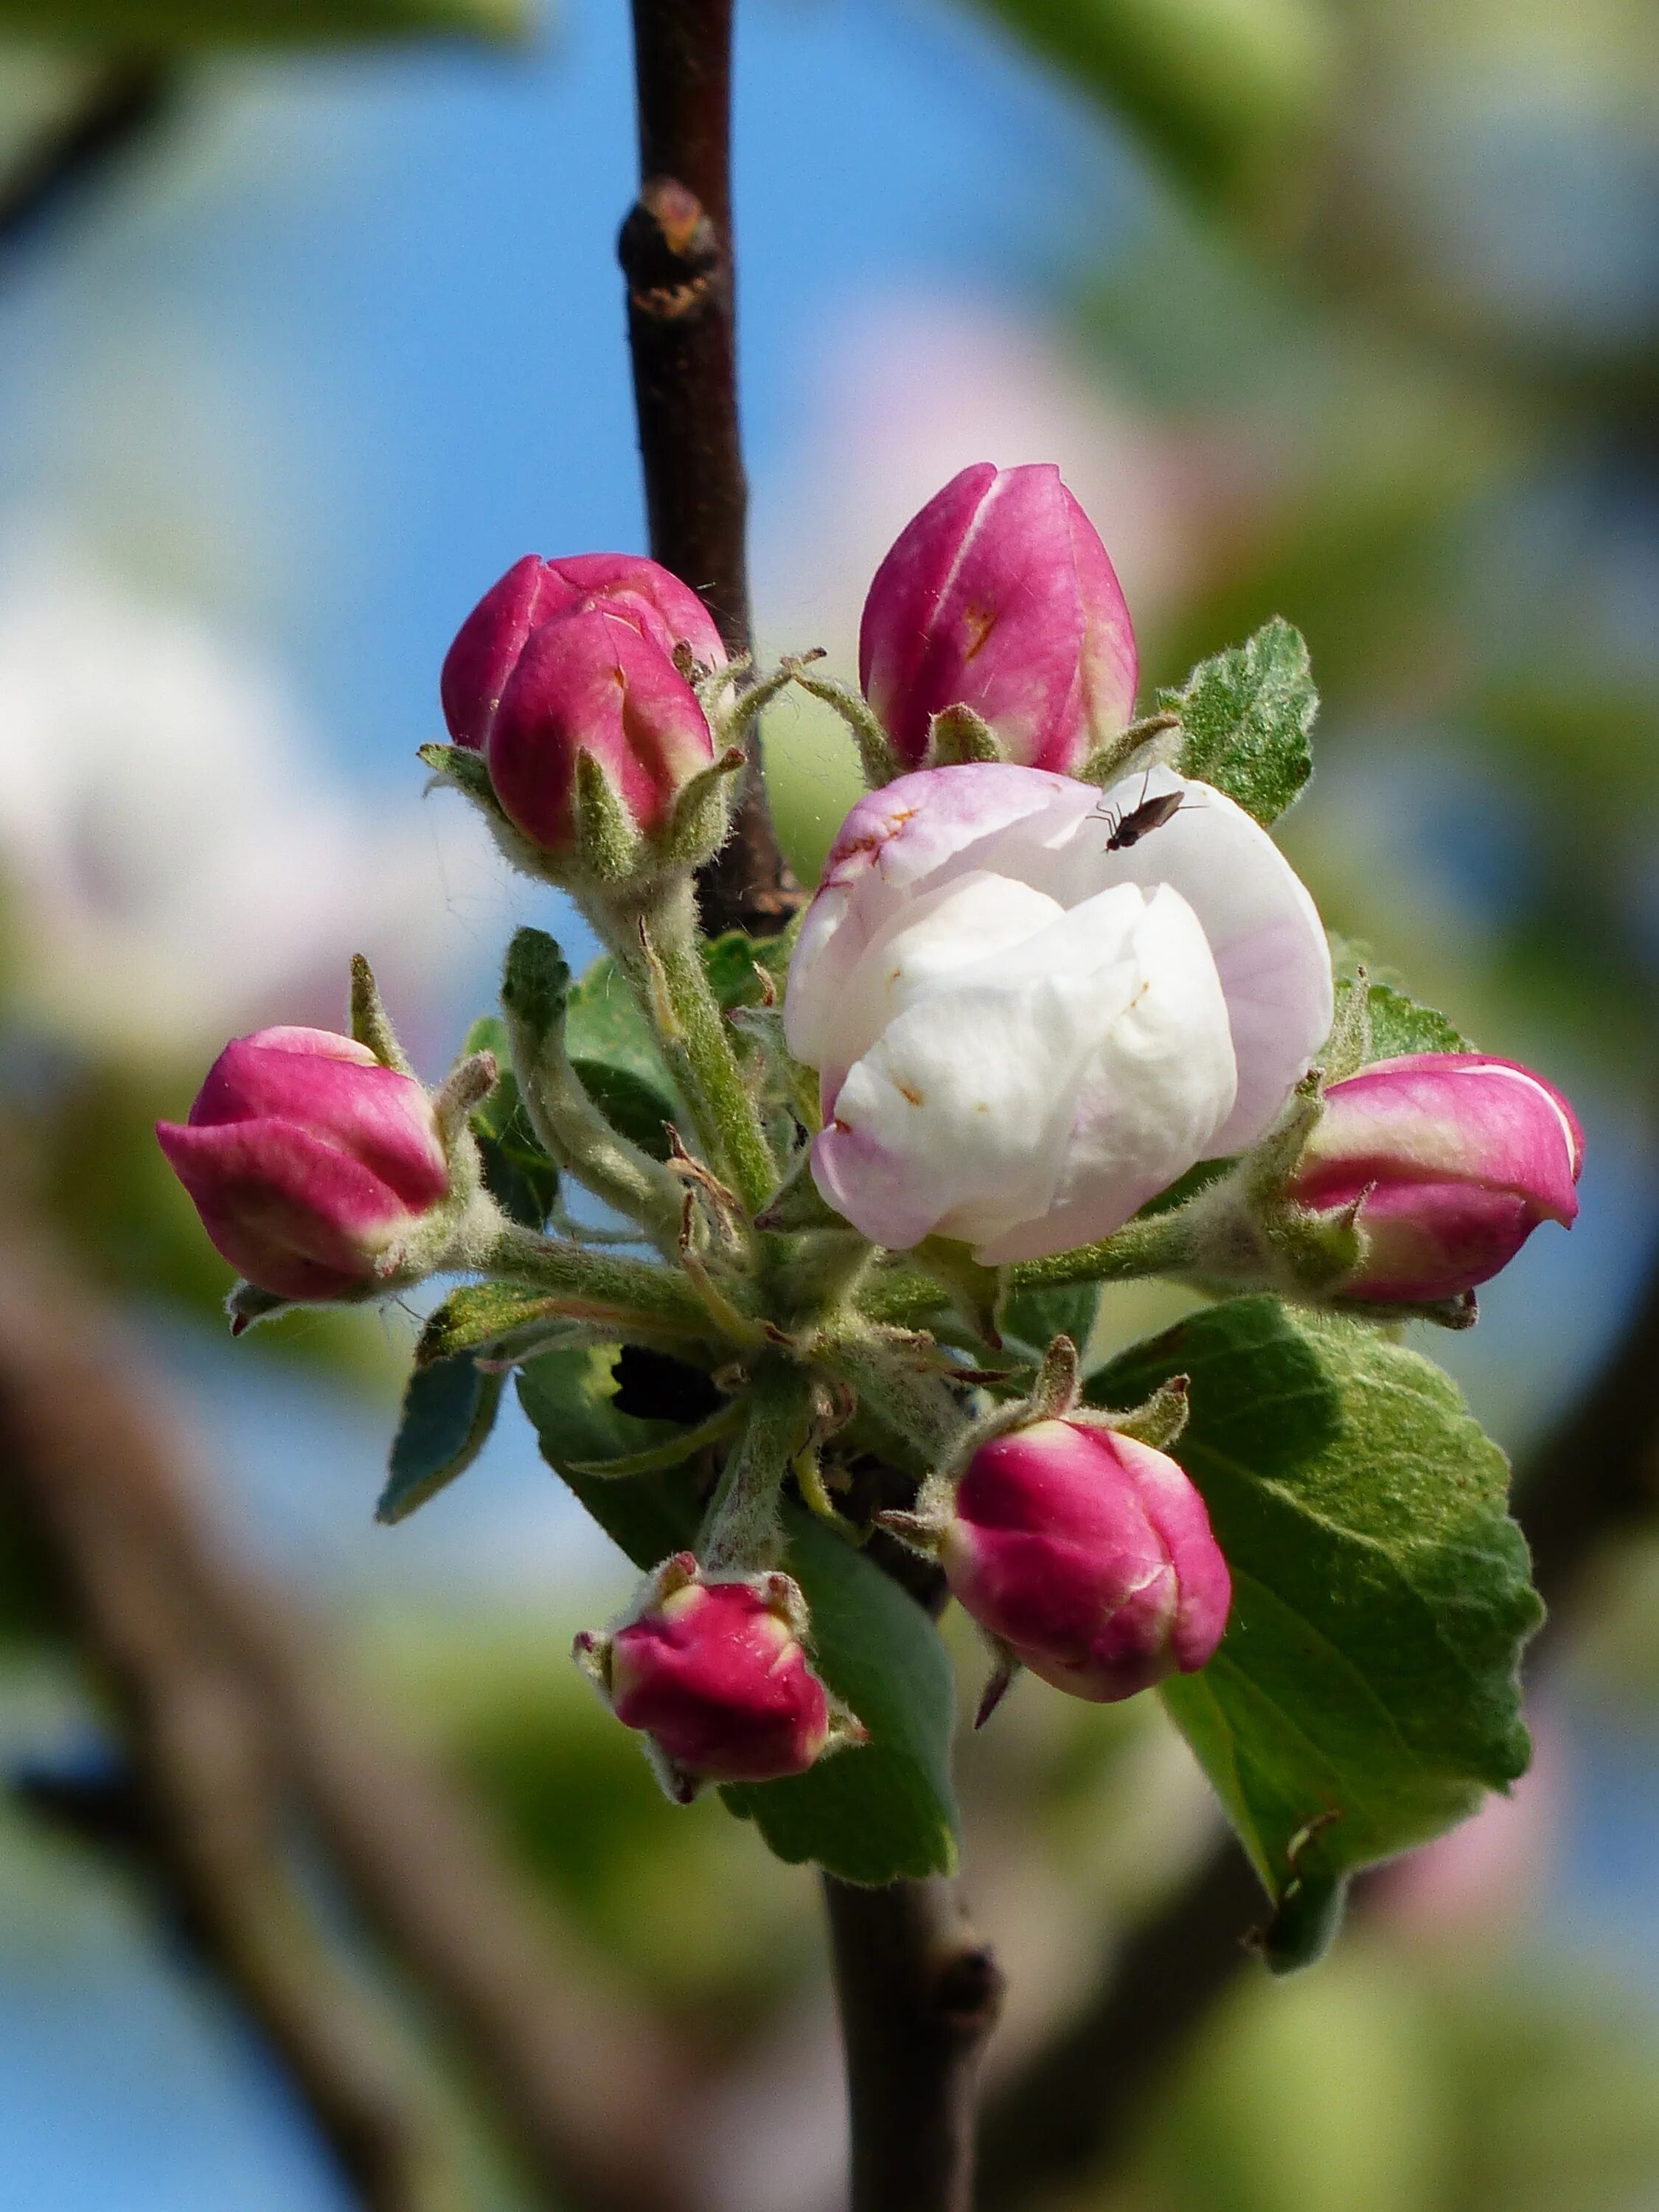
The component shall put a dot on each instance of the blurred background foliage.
(1348, 312)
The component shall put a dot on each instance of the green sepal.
(958, 738)
(604, 835)
(1245, 719)
(467, 770)
(448, 1411)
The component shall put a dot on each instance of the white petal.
(957, 1118)
(922, 831)
(1268, 942)
(1153, 1095)
(950, 926)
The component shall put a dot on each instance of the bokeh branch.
(237, 1722)
(1067, 2110)
(123, 103)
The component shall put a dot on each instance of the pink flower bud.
(590, 682)
(1091, 1556)
(1454, 1158)
(307, 1161)
(643, 593)
(1000, 596)
(716, 1674)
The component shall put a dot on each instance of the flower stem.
(1162, 1245)
(743, 1529)
(596, 1283)
(673, 987)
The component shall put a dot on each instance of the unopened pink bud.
(1089, 1555)
(486, 651)
(589, 683)
(716, 1674)
(1000, 596)
(307, 1161)
(1453, 1159)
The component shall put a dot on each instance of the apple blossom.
(1089, 1555)
(1454, 1158)
(1000, 596)
(716, 1673)
(1021, 1036)
(309, 1162)
(643, 593)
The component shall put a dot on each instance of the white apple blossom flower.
(1022, 1035)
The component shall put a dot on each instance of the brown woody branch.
(1066, 2112)
(677, 254)
(236, 1720)
(919, 1994)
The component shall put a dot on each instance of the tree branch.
(236, 1716)
(1067, 2111)
(123, 105)
(919, 1995)
(678, 255)
(77, 1473)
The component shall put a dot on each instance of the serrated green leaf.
(1366, 1691)
(448, 1411)
(886, 1811)
(874, 1814)
(151, 25)
(1399, 1026)
(1245, 719)
(518, 1174)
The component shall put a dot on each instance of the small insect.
(1145, 816)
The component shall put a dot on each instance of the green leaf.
(602, 1021)
(1366, 1691)
(634, 1107)
(449, 1410)
(874, 1814)
(1245, 716)
(1399, 1026)
(1034, 1319)
(614, 1054)
(885, 1811)
(568, 1396)
(518, 1174)
(146, 26)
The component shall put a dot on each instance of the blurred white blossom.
(175, 860)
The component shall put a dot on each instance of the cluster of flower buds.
(1032, 1005)
(577, 682)
(713, 1670)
